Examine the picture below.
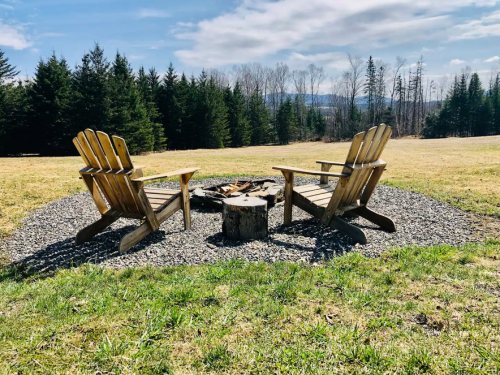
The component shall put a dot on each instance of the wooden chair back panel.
(101, 181)
(373, 143)
(115, 186)
(379, 142)
(103, 161)
(124, 184)
(353, 180)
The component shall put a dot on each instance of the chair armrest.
(335, 163)
(166, 175)
(313, 173)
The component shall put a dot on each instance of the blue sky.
(196, 34)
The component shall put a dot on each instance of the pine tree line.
(41, 115)
(252, 105)
(467, 111)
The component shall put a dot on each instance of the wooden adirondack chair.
(118, 189)
(361, 172)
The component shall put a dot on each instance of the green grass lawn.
(414, 310)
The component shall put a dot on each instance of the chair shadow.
(310, 228)
(66, 254)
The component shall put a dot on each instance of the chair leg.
(352, 231)
(288, 197)
(185, 201)
(87, 233)
(382, 221)
(132, 238)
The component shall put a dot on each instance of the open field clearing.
(462, 171)
(428, 310)
(412, 310)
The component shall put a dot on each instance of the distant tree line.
(250, 105)
(42, 114)
(467, 111)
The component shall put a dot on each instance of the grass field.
(463, 171)
(431, 310)
(414, 311)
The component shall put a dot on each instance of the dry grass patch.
(462, 171)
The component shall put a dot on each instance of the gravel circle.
(45, 241)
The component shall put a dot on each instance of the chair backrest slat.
(383, 142)
(78, 146)
(109, 151)
(121, 148)
(96, 147)
(94, 163)
(354, 150)
(375, 143)
(367, 141)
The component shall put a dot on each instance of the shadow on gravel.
(327, 240)
(66, 254)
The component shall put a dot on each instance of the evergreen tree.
(192, 126)
(129, 118)
(258, 117)
(239, 129)
(299, 108)
(370, 88)
(485, 117)
(148, 101)
(14, 112)
(463, 108)
(19, 120)
(285, 122)
(186, 100)
(50, 98)
(211, 113)
(495, 104)
(7, 71)
(170, 109)
(319, 124)
(91, 92)
(388, 117)
(475, 104)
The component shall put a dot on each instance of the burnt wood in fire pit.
(244, 218)
(213, 196)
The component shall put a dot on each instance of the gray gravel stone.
(45, 241)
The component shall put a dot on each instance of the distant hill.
(361, 101)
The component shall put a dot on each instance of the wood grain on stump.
(245, 218)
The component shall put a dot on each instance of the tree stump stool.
(245, 218)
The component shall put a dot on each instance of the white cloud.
(261, 28)
(414, 65)
(487, 26)
(185, 24)
(135, 57)
(153, 13)
(5, 6)
(12, 36)
(457, 62)
(492, 59)
(335, 60)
